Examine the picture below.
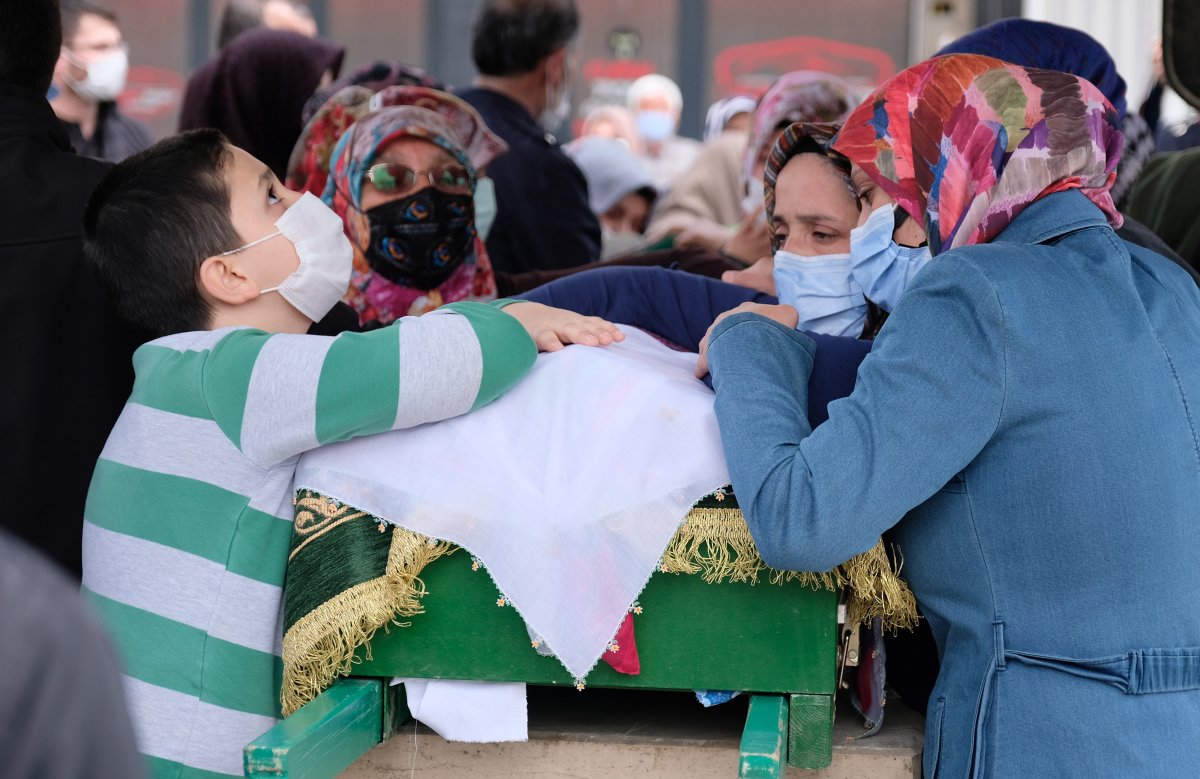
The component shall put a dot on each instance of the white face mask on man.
(326, 257)
(558, 103)
(105, 76)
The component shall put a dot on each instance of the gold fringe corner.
(715, 543)
(877, 590)
(321, 645)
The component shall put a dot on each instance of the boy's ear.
(222, 279)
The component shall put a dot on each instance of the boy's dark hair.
(72, 10)
(151, 222)
(511, 37)
(30, 40)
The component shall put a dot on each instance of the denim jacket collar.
(1053, 217)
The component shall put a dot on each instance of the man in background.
(543, 220)
(88, 77)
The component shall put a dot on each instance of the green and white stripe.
(188, 518)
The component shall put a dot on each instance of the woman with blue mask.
(1024, 425)
(886, 251)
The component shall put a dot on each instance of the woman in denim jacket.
(1029, 412)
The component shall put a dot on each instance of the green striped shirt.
(188, 518)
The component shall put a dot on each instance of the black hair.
(511, 37)
(242, 15)
(153, 220)
(239, 16)
(73, 10)
(30, 40)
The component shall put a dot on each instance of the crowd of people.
(959, 308)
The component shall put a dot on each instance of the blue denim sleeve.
(675, 305)
(927, 400)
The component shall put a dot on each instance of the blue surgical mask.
(485, 206)
(822, 291)
(655, 125)
(882, 268)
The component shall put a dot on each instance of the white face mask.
(105, 76)
(485, 206)
(326, 257)
(822, 291)
(558, 105)
(615, 244)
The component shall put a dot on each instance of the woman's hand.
(752, 239)
(760, 276)
(784, 315)
(553, 328)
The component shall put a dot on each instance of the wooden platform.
(777, 642)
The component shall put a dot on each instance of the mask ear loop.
(244, 247)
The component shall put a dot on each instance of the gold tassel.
(715, 543)
(321, 645)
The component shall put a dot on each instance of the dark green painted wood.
(762, 638)
(395, 709)
(764, 740)
(323, 737)
(810, 731)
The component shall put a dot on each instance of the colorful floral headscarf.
(965, 142)
(308, 167)
(408, 112)
(799, 138)
(799, 96)
(1035, 44)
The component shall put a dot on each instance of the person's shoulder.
(1172, 276)
(159, 359)
(135, 128)
(38, 601)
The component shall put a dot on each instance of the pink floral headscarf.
(408, 112)
(966, 142)
(799, 96)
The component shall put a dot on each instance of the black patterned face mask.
(419, 240)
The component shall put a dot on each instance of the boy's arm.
(277, 396)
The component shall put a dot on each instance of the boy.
(189, 514)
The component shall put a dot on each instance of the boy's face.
(256, 201)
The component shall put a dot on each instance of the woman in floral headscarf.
(724, 187)
(1025, 421)
(404, 179)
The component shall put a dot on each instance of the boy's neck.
(261, 315)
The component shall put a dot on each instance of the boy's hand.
(553, 328)
(784, 315)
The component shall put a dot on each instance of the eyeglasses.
(394, 178)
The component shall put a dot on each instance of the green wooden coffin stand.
(775, 641)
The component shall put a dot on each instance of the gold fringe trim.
(712, 542)
(715, 543)
(321, 645)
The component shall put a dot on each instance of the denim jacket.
(1028, 421)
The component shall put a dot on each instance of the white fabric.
(568, 488)
(475, 712)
